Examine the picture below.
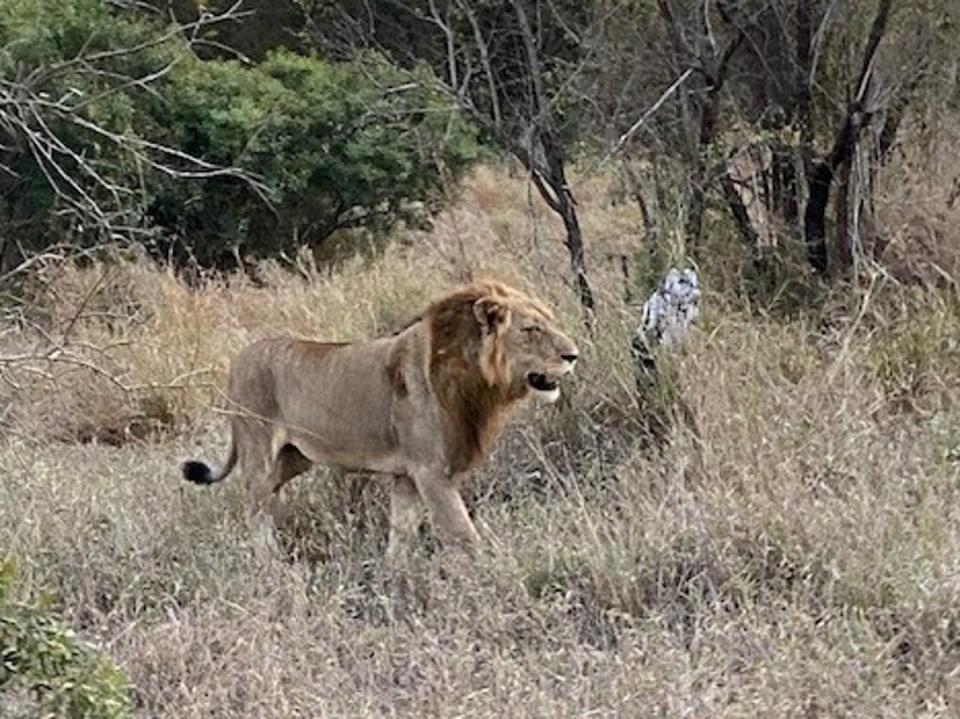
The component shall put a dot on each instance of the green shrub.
(64, 675)
(340, 145)
(333, 146)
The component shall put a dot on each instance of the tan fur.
(424, 405)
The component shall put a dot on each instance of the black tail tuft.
(197, 472)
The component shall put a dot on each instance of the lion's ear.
(491, 314)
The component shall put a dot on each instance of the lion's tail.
(201, 473)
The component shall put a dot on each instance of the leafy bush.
(65, 676)
(119, 129)
(340, 145)
(58, 74)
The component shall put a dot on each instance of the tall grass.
(793, 549)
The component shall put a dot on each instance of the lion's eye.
(531, 329)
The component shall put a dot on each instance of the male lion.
(424, 405)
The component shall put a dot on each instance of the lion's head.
(507, 335)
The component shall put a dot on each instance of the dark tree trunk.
(705, 138)
(633, 188)
(578, 262)
(895, 114)
(857, 118)
(804, 99)
(844, 233)
(784, 200)
(709, 115)
(557, 195)
(556, 192)
(694, 225)
(814, 222)
(740, 215)
(561, 202)
(814, 219)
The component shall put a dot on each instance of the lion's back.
(272, 377)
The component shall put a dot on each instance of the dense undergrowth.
(791, 549)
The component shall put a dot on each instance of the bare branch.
(444, 26)
(35, 125)
(641, 121)
(484, 62)
(189, 30)
(533, 60)
(674, 30)
(877, 30)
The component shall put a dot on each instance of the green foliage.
(65, 676)
(340, 145)
(336, 145)
(58, 70)
(33, 32)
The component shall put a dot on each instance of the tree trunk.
(785, 185)
(814, 218)
(560, 201)
(814, 222)
(558, 196)
(804, 82)
(633, 188)
(694, 224)
(823, 172)
(844, 234)
(705, 136)
(740, 215)
(709, 108)
(578, 263)
(555, 191)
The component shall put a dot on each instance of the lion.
(423, 406)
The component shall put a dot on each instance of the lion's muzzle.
(541, 383)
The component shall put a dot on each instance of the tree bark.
(633, 188)
(821, 179)
(555, 191)
(558, 196)
(713, 67)
(814, 223)
(804, 82)
(578, 263)
(844, 235)
(707, 132)
(740, 215)
(814, 219)
(785, 200)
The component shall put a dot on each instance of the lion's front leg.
(447, 510)
(405, 509)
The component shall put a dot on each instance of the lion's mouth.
(541, 382)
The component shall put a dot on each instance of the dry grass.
(798, 555)
(919, 206)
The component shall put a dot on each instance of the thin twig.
(628, 135)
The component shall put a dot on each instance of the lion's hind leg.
(281, 463)
(259, 469)
(290, 462)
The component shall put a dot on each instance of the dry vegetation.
(796, 554)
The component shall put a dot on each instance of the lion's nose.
(570, 357)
